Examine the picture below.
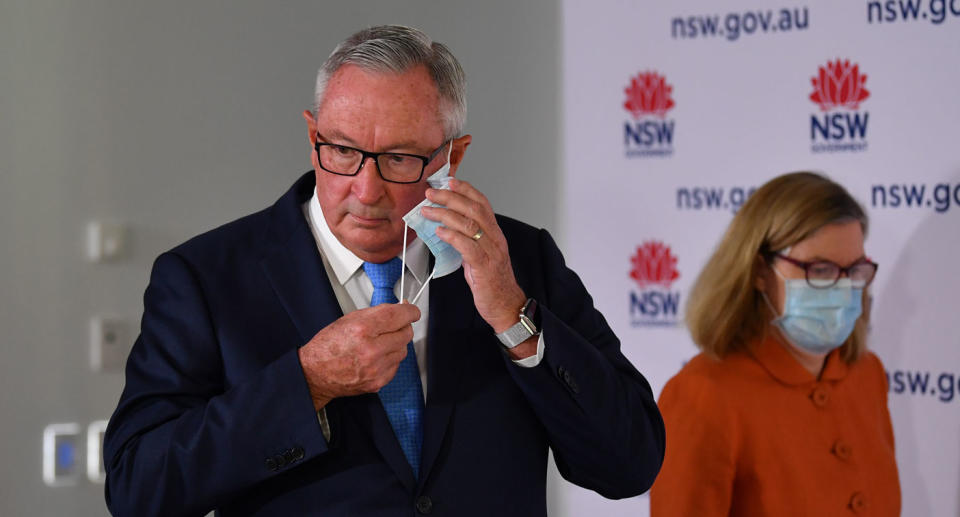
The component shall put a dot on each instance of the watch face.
(529, 308)
(532, 315)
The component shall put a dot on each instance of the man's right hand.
(358, 353)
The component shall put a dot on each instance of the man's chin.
(373, 245)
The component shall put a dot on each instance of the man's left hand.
(466, 213)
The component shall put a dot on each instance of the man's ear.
(456, 154)
(311, 127)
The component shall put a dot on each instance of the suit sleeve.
(698, 472)
(598, 411)
(180, 443)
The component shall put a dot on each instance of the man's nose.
(368, 186)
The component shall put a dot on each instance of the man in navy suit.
(275, 374)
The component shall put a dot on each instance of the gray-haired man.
(275, 374)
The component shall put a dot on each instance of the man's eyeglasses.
(393, 167)
(823, 273)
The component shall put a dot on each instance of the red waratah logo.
(648, 94)
(839, 85)
(653, 264)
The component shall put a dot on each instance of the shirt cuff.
(325, 424)
(533, 360)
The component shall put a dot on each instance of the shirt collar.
(781, 365)
(344, 263)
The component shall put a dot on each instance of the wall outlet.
(61, 454)
(105, 241)
(95, 470)
(109, 343)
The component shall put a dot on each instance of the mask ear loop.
(770, 305)
(427, 281)
(776, 314)
(403, 261)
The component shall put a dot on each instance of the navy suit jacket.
(216, 412)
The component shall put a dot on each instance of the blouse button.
(820, 396)
(858, 503)
(842, 450)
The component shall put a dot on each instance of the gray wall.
(175, 117)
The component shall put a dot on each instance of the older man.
(276, 374)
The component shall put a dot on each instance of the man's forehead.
(360, 104)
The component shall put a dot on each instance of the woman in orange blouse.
(784, 411)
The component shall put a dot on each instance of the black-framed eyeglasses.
(393, 167)
(822, 274)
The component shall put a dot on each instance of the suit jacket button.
(298, 453)
(271, 464)
(289, 457)
(568, 379)
(281, 461)
(424, 504)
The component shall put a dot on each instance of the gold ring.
(477, 235)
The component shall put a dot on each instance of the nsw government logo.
(841, 125)
(654, 269)
(648, 101)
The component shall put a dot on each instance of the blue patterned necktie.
(402, 397)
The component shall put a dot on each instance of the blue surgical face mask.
(818, 320)
(446, 258)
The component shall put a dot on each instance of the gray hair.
(396, 49)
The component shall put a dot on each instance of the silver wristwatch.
(528, 326)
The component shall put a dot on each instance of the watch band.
(522, 330)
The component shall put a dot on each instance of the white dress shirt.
(354, 289)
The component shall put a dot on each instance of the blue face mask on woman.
(818, 320)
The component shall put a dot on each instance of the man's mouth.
(367, 220)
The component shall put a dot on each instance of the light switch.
(105, 240)
(95, 470)
(109, 343)
(61, 454)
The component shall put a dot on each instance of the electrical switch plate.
(105, 240)
(95, 470)
(109, 343)
(61, 459)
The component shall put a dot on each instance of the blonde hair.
(725, 312)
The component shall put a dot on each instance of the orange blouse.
(756, 434)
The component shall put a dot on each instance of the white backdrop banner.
(674, 112)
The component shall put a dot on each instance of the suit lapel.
(293, 265)
(453, 322)
(296, 273)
